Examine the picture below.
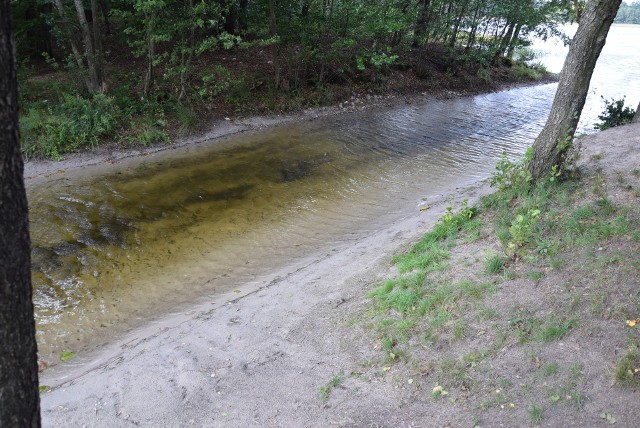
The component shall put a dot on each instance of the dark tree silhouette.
(19, 397)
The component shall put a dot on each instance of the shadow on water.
(112, 251)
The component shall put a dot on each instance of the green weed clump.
(334, 382)
(73, 124)
(627, 370)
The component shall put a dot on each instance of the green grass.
(414, 297)
(527, 327)
(536, 414)
(554, 328)
(541, 227)
(550, 369)
(334, 382)
(494, 264)
(627, 369)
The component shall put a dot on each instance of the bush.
(74, 123)
(614, 114)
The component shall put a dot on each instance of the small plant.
(614, 114)
(74, 123)
(550, 369)
(627, 371)
(510, 174)
(438, 391)
(536, 414)
(534, 275)
(554, 328)
(334, 382)
(521, 228)
(457, 219)
(494, 264)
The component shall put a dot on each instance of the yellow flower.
(632, 323)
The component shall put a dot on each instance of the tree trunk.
(151, 54)
(551, 145)
(636, 117)
(97, 43)
(66, 28)
(514, 41)
(276, 48)
(89, 49)
(19, 396)
(505, 39)
(422, 24)
(242, 16)
(105, 15)
(186, 58)
(458, 22)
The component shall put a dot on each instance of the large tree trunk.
(551, 145)
(19, 397)
(636, 117)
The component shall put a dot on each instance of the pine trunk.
(19, 397)
(551, 145)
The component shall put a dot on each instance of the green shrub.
(614, 114)
(74, 123)
(512, 175)
(522, 71)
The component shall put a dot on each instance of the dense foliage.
(157, 58)
(615, 113)
(629, 13)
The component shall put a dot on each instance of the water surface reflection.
(112, 251)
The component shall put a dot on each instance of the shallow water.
(111, 251)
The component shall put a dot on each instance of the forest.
(144, 71)
(629, 13)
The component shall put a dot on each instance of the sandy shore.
(254, 358)
(266, 355)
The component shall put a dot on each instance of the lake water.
(112, 251)
(617, 73)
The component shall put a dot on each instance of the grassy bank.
(57, 118)
(522, 309)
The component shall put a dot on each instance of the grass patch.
(527, 327)
(627, 369)
(552, 225)
(554, 329)
(536, 414)
(494, 264)
(550, 369)
(333, 383)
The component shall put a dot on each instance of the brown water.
(112, 251)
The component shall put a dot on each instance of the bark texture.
(636, 117)
(19, 397)
(551, 145)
